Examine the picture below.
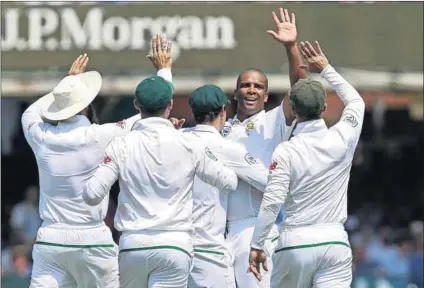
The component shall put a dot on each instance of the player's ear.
(266, 97)
(170, 105)
(136, 106)
(324, 108)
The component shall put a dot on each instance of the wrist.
(290, 45)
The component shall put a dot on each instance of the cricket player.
(213, 261)
(156, 165)
(310, 175)
(259, 132)
(74, 247)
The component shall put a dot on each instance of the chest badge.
(250, 126)
(226, 130)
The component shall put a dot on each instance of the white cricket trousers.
(313, 256)
(83, 258)
(212, 270)
(238, 241)
(155, 259)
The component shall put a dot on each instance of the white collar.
(206, 128)
(246, 121)
(152, 121)
(309, 126)
(77, 120)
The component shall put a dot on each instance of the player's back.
(320, 162)
(156, 178)
(68, 156)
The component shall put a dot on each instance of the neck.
(214, 124)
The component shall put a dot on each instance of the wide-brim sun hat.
(72, 95)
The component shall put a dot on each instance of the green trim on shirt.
(155, 247)
(75, 246)
(208, 251)
(275, 239)
(312, 245)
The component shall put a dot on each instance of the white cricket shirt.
(156, 166)
(310, 172)
(210, 203)
(260, 135)
(67, 155)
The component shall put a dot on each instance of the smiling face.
(251, 94)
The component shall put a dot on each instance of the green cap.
(308, 97)
(154, 93)
(207, 98)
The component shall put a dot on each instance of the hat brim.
(93, 81)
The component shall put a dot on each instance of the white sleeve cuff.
(166, 74)
(328, 69)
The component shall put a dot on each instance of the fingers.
(255, 271)
(293, 18)
(74, 64)
(154, 46)
(282, 15)
(286, 13)
(318, 48)
(307, 50)
(272, 33)
(180, 123)
(265, 265)
(276, 20)
(84, 63)
(304, 50)
(311, 49)
(169, 47)
(161, 44)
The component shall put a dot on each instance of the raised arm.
(286, 33)
(162, 61)
(99, 185)
(350, 125)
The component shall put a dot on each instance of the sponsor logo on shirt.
(250, 159)
(121, 124)
(210, 154)
(107, 160)
(273, 166)
(351, 120)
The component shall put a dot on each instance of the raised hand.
(161, 52)
(286, 28)
(314, 57)
(79, 65)
(178, 123)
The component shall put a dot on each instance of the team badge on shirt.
(273, 166)
(210, 154)
(226, 130)
(250, 159)
(121, 124)
(351, 120)
(250, 126)
(107, 160)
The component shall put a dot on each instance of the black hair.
(152, 113)
(92, 114)
(207, 117)
(254, 70)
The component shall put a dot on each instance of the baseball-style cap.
(154, 93)
(308, 97)
(207, 98)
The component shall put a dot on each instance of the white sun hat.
(72, 95)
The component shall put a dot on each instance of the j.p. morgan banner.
(215, 36)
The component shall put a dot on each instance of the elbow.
(90, 199)
(232, 181)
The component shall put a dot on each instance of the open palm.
(286, 28)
